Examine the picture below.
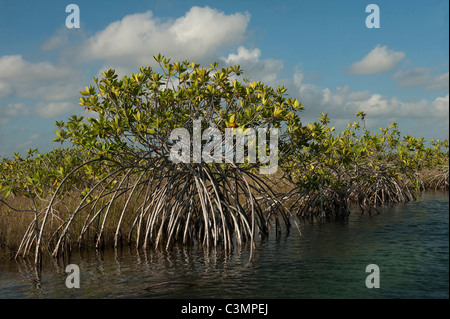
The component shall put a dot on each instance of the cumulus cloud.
(54, 109)
(12, 110)
(50, 90)
(414, 77)
(208, 29)
(265, 70)
(379, 60)
(421, 77)
(37, 80)
(342, 104)
(441, 106)
(204, 35)
(5, 89)
(14, 67)
(59, 40)
(243, 55)
(439, 82)
(197, 35)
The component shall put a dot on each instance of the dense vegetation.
(116, 182)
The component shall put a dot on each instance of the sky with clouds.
(321, 51)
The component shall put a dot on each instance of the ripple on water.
(408, 242)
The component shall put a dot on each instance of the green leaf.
(7, 192)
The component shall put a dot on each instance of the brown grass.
(435, 178)
(13, 224)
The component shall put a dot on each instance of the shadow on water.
(319, 259)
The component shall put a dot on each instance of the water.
(409, 243)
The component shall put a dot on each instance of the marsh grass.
(161, 212)
(13, 224)
(435, 178)
(174, 209)
(207, 205)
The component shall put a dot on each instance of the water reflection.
(319, 260)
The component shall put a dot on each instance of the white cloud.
(379, 60)
(440, 82)
(59, 40)
(5, 89)
(243, 55)
(12, 110)
(265, 70)
(58, 91)
(40, 80)
(197, 35)
(421, 77)
(202, 34)
(441, 106)
(54, 109)
(208, 29)
(14, 67)
(44, 84)
(342, 104)
(414, 77)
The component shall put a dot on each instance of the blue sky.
(321, 51)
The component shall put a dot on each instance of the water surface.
(409, 243)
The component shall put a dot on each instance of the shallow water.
(409, 243)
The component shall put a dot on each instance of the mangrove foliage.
(117, 181)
